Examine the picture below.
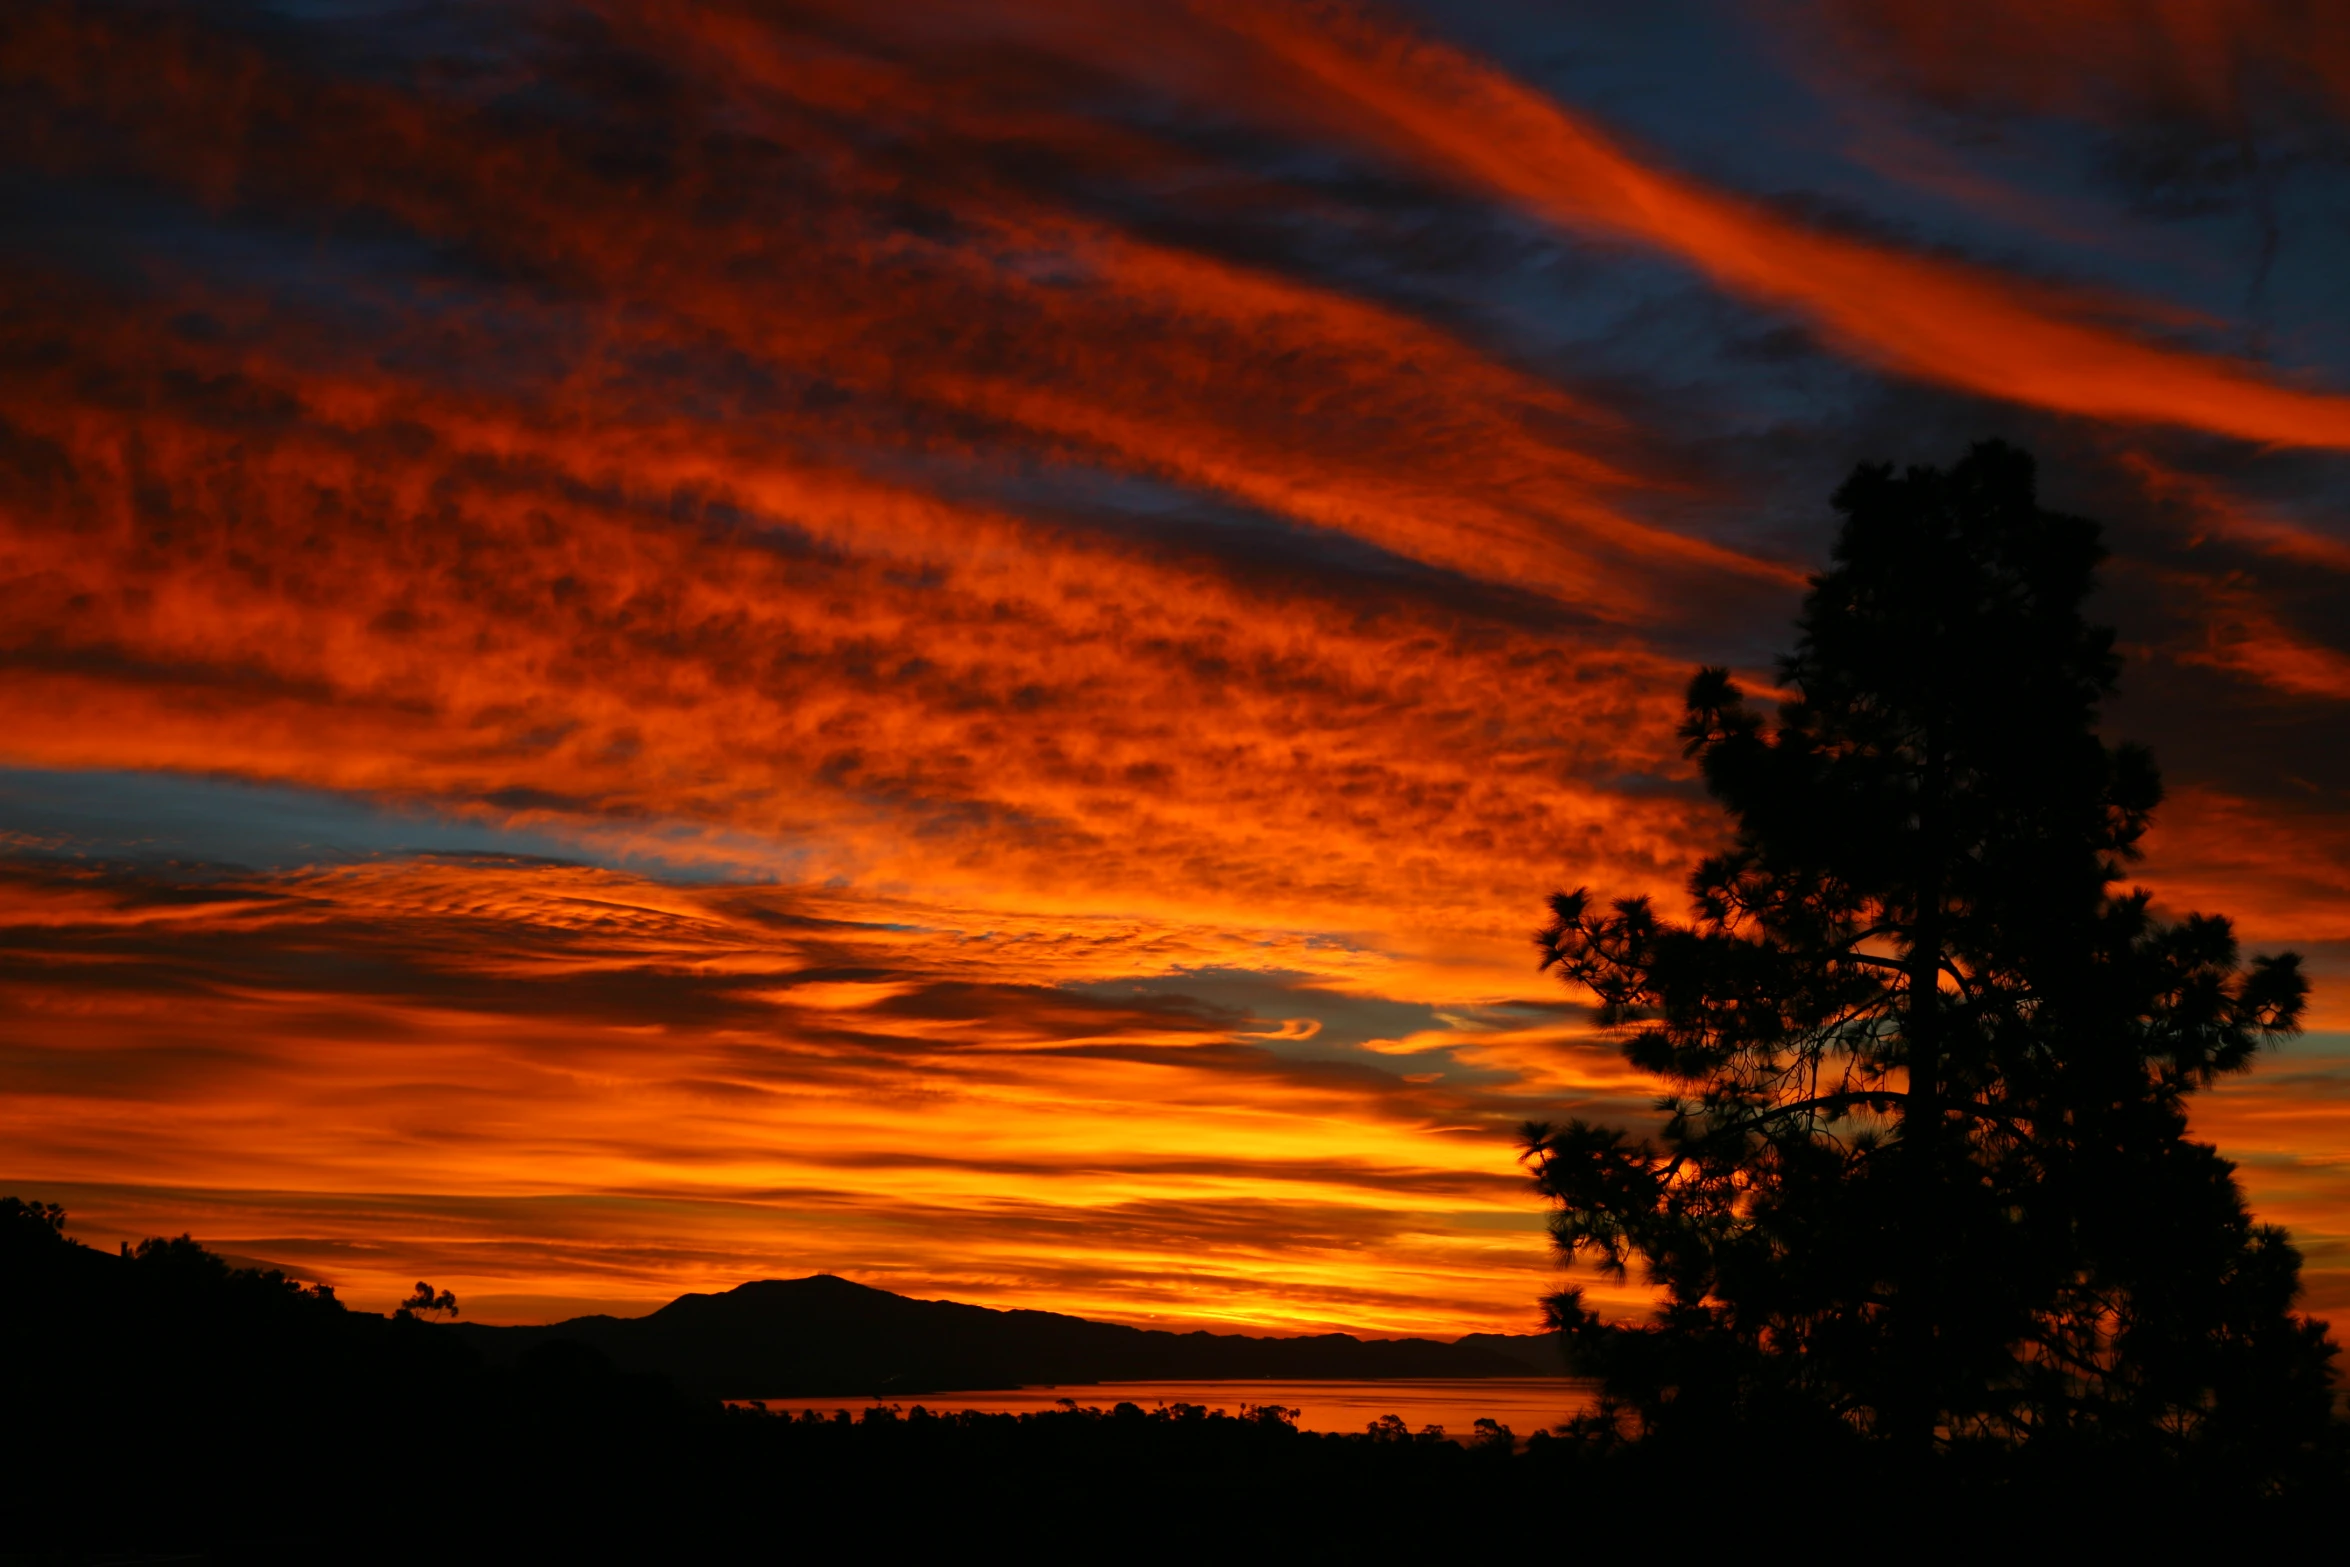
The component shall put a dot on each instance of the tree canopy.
(1923, 1173)
(423, 1302)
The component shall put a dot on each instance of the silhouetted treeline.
(829, 1337)
(161, 1402)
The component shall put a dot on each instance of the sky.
(649, 644)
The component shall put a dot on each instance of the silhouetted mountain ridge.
(828, 1337)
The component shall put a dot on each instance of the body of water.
(1524, 1404)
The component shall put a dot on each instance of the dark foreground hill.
(163, 1406)
(825, 1337)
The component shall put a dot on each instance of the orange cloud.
(2288, 1126)
(2278, 866)
(1065, 337)
(2245, 639)
(2215, 514)
(1937, 320)
(481, 633)
(2238, 624)
(553, 593)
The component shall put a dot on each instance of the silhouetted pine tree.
(1924, 1173)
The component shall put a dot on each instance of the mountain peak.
(812, 1284)
(825, 1335)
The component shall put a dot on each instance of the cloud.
(1018, 607)
(1962, 326)
(804, 1071)
(2223, 63)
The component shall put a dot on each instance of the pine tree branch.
(1868, 1096)
(1986, 1113)
(1877, 1097)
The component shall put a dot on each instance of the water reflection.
(1524, 1404)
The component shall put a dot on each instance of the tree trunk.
(1921, 1132)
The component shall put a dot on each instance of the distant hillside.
(1534, 1354)
(825, 1337)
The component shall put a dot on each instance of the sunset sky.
(655, 643)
